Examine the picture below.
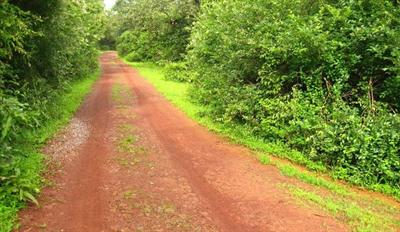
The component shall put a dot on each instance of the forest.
(315, 80)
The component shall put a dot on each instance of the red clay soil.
(130, 161)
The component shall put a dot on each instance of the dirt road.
(130, 161)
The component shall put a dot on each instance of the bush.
(133, 57)
(154, 30)
(319, 76)
(177, 72)
(136, 45)
(45, 45)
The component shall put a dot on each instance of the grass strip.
(359, 219)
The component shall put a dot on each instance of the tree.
(160, 26)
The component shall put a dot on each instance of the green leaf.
(29, 196)
(6, 127)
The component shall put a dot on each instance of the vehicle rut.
(145, 166)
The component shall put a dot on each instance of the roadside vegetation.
(48, 62)
(315, 82)
(151, 30)
(358, 209)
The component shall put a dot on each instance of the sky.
(109, 3)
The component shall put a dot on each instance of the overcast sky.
(109, 3)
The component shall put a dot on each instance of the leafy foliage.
(108, 40)
(44, 46)
(153, 29)
(178, 72)
(318, 76)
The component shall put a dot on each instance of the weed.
(121, 95)
(129, 194)
(127, 144)
(289, 170)
(166, 208)
(264, 159)
(162, 210)
(182, 222)
(127, 161)
(353, 208)
(126, 128)
(146, 209)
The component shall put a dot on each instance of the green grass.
(126, 129)
(264, 159)
(342, 202)
(361, 212)
(311, 178)
(359, 219)
(27, 181)
(174, 91)
(120, 95)
(127, 144)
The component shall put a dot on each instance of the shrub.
(177, 72)
(319, 76)
(44, 46)
(155, 30)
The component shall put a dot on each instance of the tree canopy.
(153, 29)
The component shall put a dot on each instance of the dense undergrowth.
(47, 51)
(315, 80)
(28, 165)
(317, 76)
